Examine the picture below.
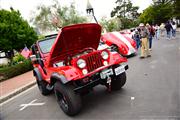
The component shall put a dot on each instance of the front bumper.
(100, 77)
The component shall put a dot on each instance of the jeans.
(150, 41)
(137, 42)
(169, 34)
(174, 32)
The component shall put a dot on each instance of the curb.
(17, 91)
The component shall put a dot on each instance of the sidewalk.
(15, 85)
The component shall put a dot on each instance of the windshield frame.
(46, 39)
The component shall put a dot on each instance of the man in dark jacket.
(151, 35)
(168, 29)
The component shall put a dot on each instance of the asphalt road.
(152, 91)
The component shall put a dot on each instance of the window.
(46, 45)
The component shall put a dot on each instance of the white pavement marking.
(132, 98)
(17, 95)
(132, 101)
(30, 104)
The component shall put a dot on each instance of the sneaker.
(148, 55)
(150, 49)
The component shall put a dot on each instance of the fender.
(115, 58)
(59, 77)
(67, 73)
(37, 73)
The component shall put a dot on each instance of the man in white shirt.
(174, 26)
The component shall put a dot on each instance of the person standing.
(144, 41)
(162, 29)
(132, 32)
(168, 30)
(151, 35)
(174, 26)
(157, 29)
(137, 38)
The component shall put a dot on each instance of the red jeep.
(70, 64)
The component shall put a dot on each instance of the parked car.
(121, 42)
(70, 64)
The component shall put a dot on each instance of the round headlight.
(84, 71)
(104, 55)
(81, 63)
(105, 63)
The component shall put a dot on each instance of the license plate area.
(106, 73)
(119, 70)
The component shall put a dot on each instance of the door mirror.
(33, 58)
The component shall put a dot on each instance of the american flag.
(25, 52)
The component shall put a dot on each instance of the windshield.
(46, 45)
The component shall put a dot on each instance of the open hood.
(72, 39)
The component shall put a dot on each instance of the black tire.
(118, 81)
(68, 100)
(42, 87)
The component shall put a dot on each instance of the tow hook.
(49, 87)
(109, 83)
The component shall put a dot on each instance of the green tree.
(126, 12)
(159, 2)
(54, 16)
(15, 32)
(157, 13)
(176, 11)
(175, 6)
(148, 15)
(125, 9)
(110, 25)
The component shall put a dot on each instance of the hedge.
(11, 71)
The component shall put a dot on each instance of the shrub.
(14, 70)
(3, 65)
(18, 58)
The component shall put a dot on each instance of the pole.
(124, 8)
(90, 10)
(94, 16)
(124, 12)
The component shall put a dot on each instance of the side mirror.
(33, 58)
